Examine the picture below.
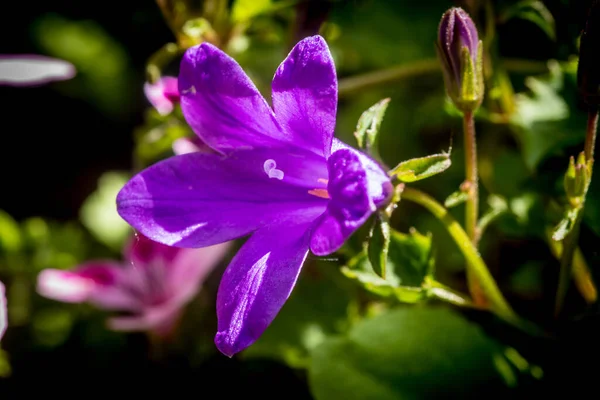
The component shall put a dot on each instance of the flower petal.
(162, 94)
(141, 250)
(190, 268)
(97, 282)
(33, 70)
(3, 314)
(160, 320)
(258, 282)
(197, 200)
(221, 104)
(352, 200)
(305, 95)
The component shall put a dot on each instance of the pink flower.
(3, 319)
(163, 94)
(152, 285)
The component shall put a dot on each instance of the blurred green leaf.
(103, 70)
(52, 326)
(398, 354)
(99, 211)
(408, 264)
(317, 308)
(421, 168)
(5, 368)
(543, 117)
(368, 125)
(455, 199)
(10, 233)
(534, 11)
(245, 10)
(378, 245)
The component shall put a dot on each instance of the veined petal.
(197, 200)
(3, 314)
(221, 104)
(305, 95)
(352, 200)
(258, 282)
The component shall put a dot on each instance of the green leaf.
(378, 246)
(408, 353)
(566, 224)
(10, 234)
(456, 198)
(367, 128)
(245, 10)
(409, 264)
(318, 307)
(498, 206)
(99, 211)
(421, 168)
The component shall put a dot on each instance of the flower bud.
(577, 179)
(588, 69)
(461, 53)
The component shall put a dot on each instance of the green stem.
(353, 84)
(474, 261)
(570, 242)
(471, 181)
(471, 185)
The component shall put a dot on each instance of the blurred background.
(67, 147)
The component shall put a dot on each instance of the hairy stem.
(471, 186)
(570, 242)
(496, 300)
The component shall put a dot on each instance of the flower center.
(322, 193)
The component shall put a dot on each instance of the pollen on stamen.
(322, 193)
(323, 180)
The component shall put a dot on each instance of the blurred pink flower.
(3, 319)
(152, 285)
(33, 70)
(163, 94)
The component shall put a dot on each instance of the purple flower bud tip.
(459, 50)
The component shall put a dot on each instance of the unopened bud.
(461, 53)
(577, 179)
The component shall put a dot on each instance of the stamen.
(322, 180)
(322, 193)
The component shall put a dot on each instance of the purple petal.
(221, 104)
(305, 95)
(352, 201)
(162, 94)
(196, 200)
(258, 282)
(3, 313)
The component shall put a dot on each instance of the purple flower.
(163, 94)
(459, 49)
(3, 317)
(277, 174)
(152, 285)
(33, 70)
